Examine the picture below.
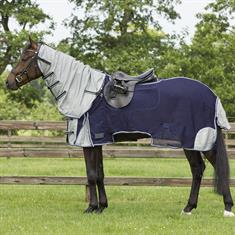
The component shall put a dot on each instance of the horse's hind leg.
(197, 166)
(228, 201)
(103, 203)
(90, 154)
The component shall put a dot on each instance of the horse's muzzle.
(10, 83)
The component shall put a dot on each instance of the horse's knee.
(92, 178)
(100, 174)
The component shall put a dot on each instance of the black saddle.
(119, 91)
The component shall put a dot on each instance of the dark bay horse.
(78, 88)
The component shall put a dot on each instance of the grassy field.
(57, 210)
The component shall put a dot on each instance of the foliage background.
(121, 35)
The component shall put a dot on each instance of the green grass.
(113, 167)
(57, 210)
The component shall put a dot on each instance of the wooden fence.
(14, 143)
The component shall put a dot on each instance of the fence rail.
(14, 144)
(117, 181)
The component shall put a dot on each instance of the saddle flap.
(118, 96)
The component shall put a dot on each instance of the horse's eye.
(25, 57)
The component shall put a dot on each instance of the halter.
(19, 76)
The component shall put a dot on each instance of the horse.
(80, 94)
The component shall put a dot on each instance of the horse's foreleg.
(92, 175)
(103, 203)
(197, 166)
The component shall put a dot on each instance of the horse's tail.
(222, 164)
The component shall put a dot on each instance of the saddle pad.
(177, 112)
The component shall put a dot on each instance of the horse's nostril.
(7, 85)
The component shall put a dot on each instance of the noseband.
(19, 77)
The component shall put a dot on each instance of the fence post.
(226, 140)
(9, 136)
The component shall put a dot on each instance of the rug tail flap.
(221, 117)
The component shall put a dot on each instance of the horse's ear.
(33, 44)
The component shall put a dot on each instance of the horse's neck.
(60, 63)
(70, 80)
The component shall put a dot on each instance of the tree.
(27, 15)
(9, 107)
(125, 35)
(223, 7)
(211, 53)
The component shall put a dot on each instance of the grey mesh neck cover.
(73, 84)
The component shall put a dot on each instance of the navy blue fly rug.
(175, 112)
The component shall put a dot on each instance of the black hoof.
(90, 209)
(100, 209)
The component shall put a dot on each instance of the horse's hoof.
(100, 209)
(90, 209)
(186, 213)
(228, 214)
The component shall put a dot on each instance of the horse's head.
(27, 68)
